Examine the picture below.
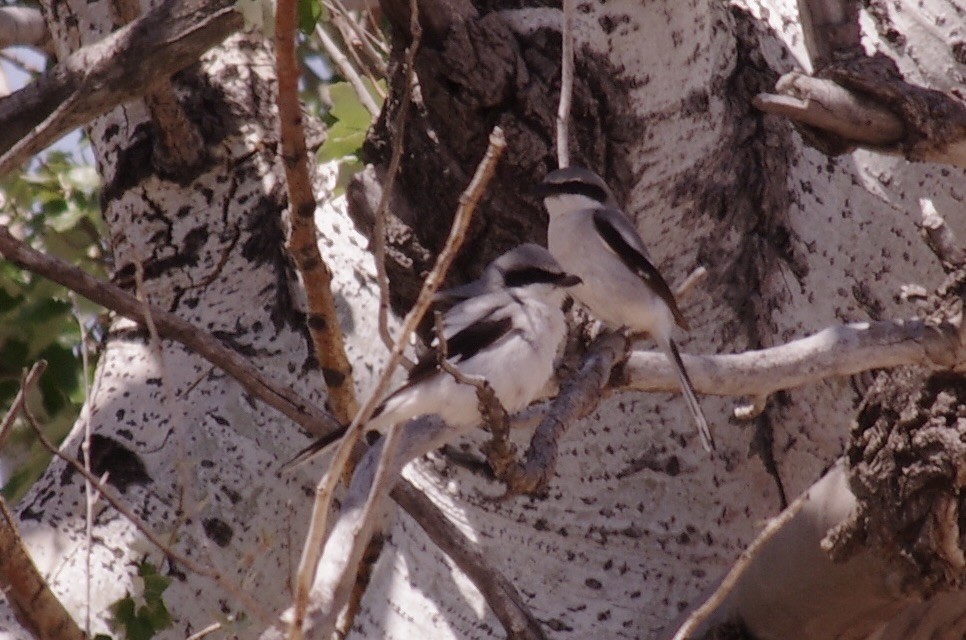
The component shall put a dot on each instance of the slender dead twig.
(379, 228)
(315, 539)
(286, 401)
(102, 489)
(17, 405)
(704, 612)
(566, 83)
(316, 277)
(342, 19)
(348, 71)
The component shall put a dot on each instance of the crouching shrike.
(506, 329)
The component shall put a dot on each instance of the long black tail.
(313, 450)
(687, 390)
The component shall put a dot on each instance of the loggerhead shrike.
(591, 237)
(507, 332)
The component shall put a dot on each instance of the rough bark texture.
(908, 471)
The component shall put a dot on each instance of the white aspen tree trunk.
(639, 521)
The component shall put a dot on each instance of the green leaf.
(310, 11)
(350, 123)
(144, 622)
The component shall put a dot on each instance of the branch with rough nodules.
(123, 66)
(579, 395)
(324, 609)
(322, 320)
(23, 26)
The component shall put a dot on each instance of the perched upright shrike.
(506, 331)
(593, 239)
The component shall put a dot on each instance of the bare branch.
(17, 405)
(348, 72)
(821, 103)
(122, 66)
(578, 397)
(315, 275)
(566, 83)
(23, 26)
(315, 539)
(289, 403)
(499, 593)
(864, 102)
(797, 532)
(836, 351)
(379, 229)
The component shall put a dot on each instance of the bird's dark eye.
(530, 275)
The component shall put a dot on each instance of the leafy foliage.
(55, 209)
(310, 12)
(142, 622)
(347, 121)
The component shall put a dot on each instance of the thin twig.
(28, 145)
(315, 539)
(108, 493)
(347, 70)
(316, 277)
(18, 400)
(284, 399)
(89, 498)
(703, 613)
(566, 83)
(344, 22)
(399, 135)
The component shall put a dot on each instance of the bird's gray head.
(574, 188)
(527, 266)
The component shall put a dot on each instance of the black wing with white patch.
(634, 259)
(462, 345)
